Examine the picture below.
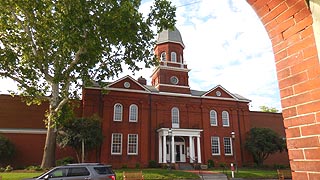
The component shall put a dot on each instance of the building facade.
(166, 121)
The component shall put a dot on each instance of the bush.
(64, 161)
(7, 149)
(34, 168)
(2, 169)
(8, 169)
(153, 164)
(210, 163)
(137, 165)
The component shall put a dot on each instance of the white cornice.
(22, 131)
(176, 86)
(171, 94)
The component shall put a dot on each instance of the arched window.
(117, 114)
(163, 56)
(213, 118)
(175, 117)
(225, 119)
(133, 113)
(173, 57)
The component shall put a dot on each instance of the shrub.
(34, 168)
(7, 149)
(124, 166)
(137, 165)
(8, 169)
(64, 161)
(210, 163)
(153, 164)
(2, 169)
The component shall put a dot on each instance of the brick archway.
(289, 26)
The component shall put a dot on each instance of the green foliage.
(76, 131)
(8, 168)
(51, 49)
(64, 161)
(34, 168)
(7, 149)
(262, 142)
(210, 163)
(153, 164)
(137, 165)
(268, 109)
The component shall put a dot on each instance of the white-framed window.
(118, 110)
(133, 113)
(163, 56)
(225, 119)
(227, 142)
(173, 57)
(181, 60)
(132, 144)
(175, 117)
(116, 143)
(213, 118)
(215, 145)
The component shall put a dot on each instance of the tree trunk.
(49, 153)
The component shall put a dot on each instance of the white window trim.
(137, 143)
(163, 56)
(224, 146)
(175, 124)
(216, 118)
(173, 54)
(114, 112)
(216, 154)
(112, 144)
(228, 119)
(137, 111)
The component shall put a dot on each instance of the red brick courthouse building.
(166, 121)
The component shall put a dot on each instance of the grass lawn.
(162, 174)
(252, 173)
(18, 175)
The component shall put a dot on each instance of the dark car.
(81, 171)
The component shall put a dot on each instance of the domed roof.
(170, 36)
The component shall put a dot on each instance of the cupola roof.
(170, 36)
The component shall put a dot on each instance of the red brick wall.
(289, 26)
(273, 121)
(16, 115)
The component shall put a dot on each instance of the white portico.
(172, 145)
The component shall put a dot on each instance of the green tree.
(74, 132)
(52, 48)
(262, 142)
(7, 149)
(268, 109)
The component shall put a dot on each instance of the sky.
(225, 44)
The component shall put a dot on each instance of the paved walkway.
(213, 176)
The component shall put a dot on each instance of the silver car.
(81, 171)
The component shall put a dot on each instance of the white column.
(160, 149)
(191, 149)
(199, 149)
(172, 150)
(164, 145)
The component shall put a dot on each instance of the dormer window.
(163, 56)
(173, 57)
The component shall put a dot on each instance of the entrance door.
(178, 153)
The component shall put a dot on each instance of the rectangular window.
(215, 145)
(116, 146)
(132, 144)
(227, 146)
